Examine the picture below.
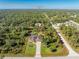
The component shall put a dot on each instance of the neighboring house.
(38, 24)
(34, 38)
(74, 16)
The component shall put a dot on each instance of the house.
(34, 38)
(38, 24)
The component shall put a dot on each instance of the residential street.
(65, 57)
(75, 24)
(71, 51)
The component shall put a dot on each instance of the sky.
(36, 4)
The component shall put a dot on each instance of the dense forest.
(18, 26)
(59, 16)
(15, 28)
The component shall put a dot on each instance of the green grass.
(30, 49)
(46, 52)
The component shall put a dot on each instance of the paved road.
(18, 58)
(71, 51)
(67, 57)
(75, 24)
(73, 57)
(38, 49)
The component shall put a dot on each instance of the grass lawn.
(30, 49)
(46, 52)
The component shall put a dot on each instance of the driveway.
(38, 49)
